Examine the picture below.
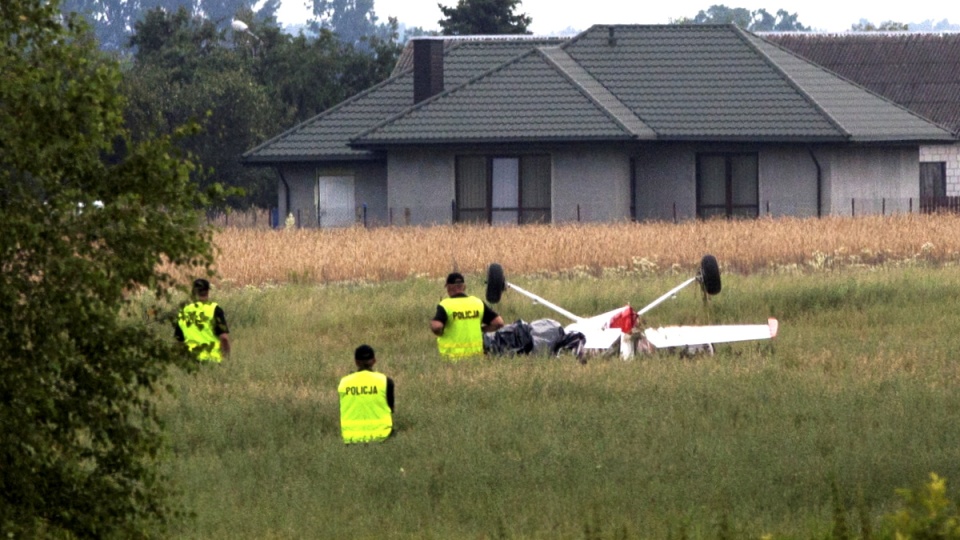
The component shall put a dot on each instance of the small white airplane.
(603, 332)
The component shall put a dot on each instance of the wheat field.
(258, 257)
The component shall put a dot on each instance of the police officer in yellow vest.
(461, 320)
(366, 401)
(202, 325)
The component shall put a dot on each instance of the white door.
(335, 202)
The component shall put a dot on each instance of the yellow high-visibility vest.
(197, 324)
(463, 334)
(365, 415)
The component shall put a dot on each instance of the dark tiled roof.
(665, 82)
(866, 116)
(405, 62)
(697, 81)
(326, 136)
(683, 82)
(920, 71)
(534, 98)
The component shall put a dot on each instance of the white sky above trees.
(555, 16)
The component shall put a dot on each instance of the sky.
(556, 16)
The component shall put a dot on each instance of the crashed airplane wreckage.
(617, 329)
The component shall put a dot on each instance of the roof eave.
(383, 143)
(254, 161)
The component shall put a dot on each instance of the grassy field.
(859, 392)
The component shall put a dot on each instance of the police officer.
(366, 401)
(202, 325)
(461, 320)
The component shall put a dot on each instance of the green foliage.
(755, 21)
(87, 216)
(886, 26)
(483, 17)
(113, 20)
(182, 72)
(927, 513)
(241, 87)
(354, 22)
(308, 75)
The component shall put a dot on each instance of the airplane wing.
(679, 336)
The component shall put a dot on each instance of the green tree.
(184, 70)
(114, 20)
(886, 26)
(354, 22)
(721, 14)
(483, 17)
(783, 21)
(241, 86)
(755, 21)
(87, 217)
(307, 75)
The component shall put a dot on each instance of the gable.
(535, 100)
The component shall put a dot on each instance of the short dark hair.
(454, 278)
(201, 285)
(364, 353)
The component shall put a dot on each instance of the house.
(920, 71)
(644, 122)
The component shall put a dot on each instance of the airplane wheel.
(496, 283)
(710, 274)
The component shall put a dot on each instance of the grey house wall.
(421, 186)
(300, 179)
(370, 185)
(590, 184)
(370, 188)
(860, 181)
(854, 180)
(666, 176)
(666, 182)
(788, 181)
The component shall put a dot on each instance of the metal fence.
(258, 218)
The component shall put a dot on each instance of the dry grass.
(257, 257)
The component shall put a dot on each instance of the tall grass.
(860, 390)
(257, 257)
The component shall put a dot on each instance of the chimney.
(427, 68)
(611, 36)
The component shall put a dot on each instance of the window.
(503, 189)
(727, 185)
(933, 180)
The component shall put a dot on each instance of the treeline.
(238, 80)
(236, 77)
(228, 69)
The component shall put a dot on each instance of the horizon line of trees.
(183, 60)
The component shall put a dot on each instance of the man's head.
(364, 356)
(455, 283)
(201, 288)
